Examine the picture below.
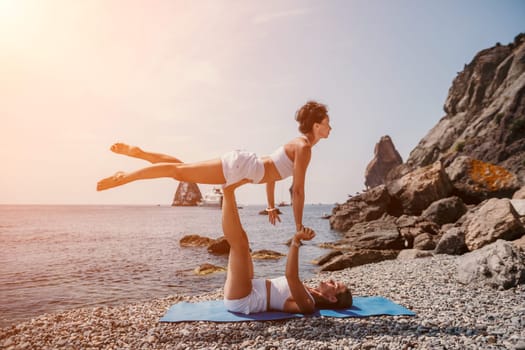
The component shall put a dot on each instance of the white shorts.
(253, 302)
(239, 164)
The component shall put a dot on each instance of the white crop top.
(280, 292)
(283, 164)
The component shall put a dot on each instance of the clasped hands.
(304, 234)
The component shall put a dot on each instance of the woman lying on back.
(244, 294)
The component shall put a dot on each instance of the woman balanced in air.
(244, 294)
(291, 159)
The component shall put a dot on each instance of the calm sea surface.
(62, 257)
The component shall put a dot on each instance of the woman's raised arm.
(303, 302)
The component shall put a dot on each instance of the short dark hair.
(344, 301)
(312, 112)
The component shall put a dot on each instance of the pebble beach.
(449, 316)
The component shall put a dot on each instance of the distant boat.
(212, 198)
(283, 204)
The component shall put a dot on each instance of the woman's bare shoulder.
(297, 142)
(295, 146)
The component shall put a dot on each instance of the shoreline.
(448, 315)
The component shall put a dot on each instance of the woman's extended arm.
(273, 215)
(303, 154)
(302, 301)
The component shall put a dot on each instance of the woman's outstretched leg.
(137, 152)
(207, 172)
(240, 265)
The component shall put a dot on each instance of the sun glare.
(11, 12)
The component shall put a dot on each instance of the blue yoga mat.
(215, 311)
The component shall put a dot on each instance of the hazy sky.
(198, 78)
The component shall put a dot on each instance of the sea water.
(57, 258)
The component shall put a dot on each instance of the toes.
(117, 147)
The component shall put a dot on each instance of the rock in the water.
(386, 158)
(500, 265)
(265, 254)
(206, 269)
(219, 246)
(264, 212)
(195, 241)
(491, 220)
(187, 194)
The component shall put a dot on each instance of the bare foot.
(112, 181)
(127, 150)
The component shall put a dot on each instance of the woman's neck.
(312, 140)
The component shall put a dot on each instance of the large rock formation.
(187, 194)
(485, 113)
(386, 158)
(476, 154)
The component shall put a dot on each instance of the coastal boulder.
(499, 265)
(380, 235)
(187, 194)
(411, 227)
(519, 206)
(367, 206)
(475, 180)
(420, 188)
(386, 158)
(357, 258)
(519, 194)
(493, 219)
(520, 243)
(424, 241)
(444, 211)
(452, 242)
(327, 257)
(410, 254)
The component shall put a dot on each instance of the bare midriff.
(271, 173)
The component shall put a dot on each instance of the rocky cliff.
(453, 194)
(485, 113)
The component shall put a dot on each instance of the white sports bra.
(280, 292)
(283, 164)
